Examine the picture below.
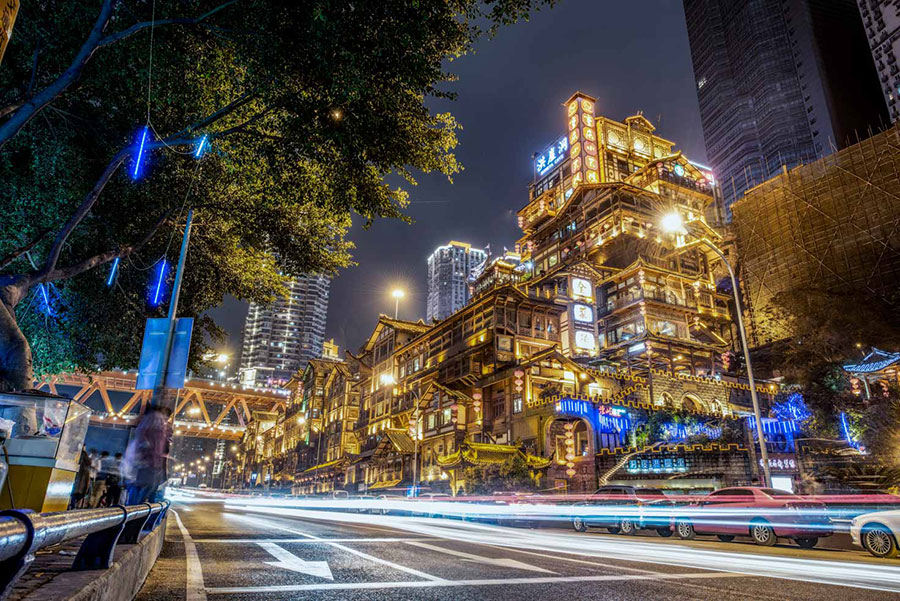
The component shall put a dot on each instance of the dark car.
(763, 514)
(625, 510)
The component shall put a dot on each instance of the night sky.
(630, 55)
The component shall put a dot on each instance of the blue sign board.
(575, 407)
(552, 156)
(153, 349)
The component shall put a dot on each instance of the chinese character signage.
(552, 156)
(582, 140)
(585, 340)
(583, 313)
(582, 288)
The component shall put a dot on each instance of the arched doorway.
(690, 402)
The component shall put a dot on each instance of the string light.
(112, 272)
(145, 133)
(201, 146)
(156, 296)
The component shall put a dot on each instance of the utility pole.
(159, 389)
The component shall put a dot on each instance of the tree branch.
(22, 114)
(82, 211)
(91, 198)
(74, 269)
(9, 108)
(15, 254)
(130, 31)
(35, 104)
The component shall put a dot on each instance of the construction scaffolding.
(830, 225)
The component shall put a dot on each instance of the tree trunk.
(16, 371)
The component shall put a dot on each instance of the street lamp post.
(673, 223)
(397, 294)
(415, 434)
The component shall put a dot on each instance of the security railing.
(22, 533)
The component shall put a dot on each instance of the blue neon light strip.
(201, 146)
(112, 272)
(845, 431)
(137, 162)
(157, 294)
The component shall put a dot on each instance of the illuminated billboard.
(552, 156)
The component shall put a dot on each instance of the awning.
(385, 484)
(875, 361)
(322, 466)
(478, 453)
(362, 456)
(401, 441)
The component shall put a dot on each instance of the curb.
(121, 582)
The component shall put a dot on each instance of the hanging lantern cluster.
(519, 381)
(476, 397)
(454, 409)
(570, 448)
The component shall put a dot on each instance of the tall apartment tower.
(280, 338)
(881, 19)
(780, 83)
(449, 267)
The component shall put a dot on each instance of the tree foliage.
(512, 475)
(307, 107)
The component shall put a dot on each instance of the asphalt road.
(216, 552)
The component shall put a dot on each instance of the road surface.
(219, 552)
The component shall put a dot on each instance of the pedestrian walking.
(113, 469)
(144, 465)
(99, 490)
(82, 481)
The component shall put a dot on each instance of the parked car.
(877, 532)
(625, 510)
(764, 514)
(363, 497)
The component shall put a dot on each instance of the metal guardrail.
(22, 533)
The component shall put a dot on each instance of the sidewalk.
(50, 578)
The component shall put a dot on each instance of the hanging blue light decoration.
(157, 288)
(201, 146)
(792, 408)
(145, 135)
(845, 431)
(112, 272)
(45, 295)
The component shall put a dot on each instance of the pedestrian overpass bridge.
(204, 408)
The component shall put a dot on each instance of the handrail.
(22, 533)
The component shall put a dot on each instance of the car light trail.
(866, 575)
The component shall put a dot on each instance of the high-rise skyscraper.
(881, 19)
(780, 83)
(280, 338)
(449, 267)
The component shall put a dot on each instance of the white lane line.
(573, 560)
(325, 541)
(599, 564)
(503, 562)
(251, 541)
(285, 588)
(194, 588)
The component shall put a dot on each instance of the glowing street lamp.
(674, 224)
(397, 293)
